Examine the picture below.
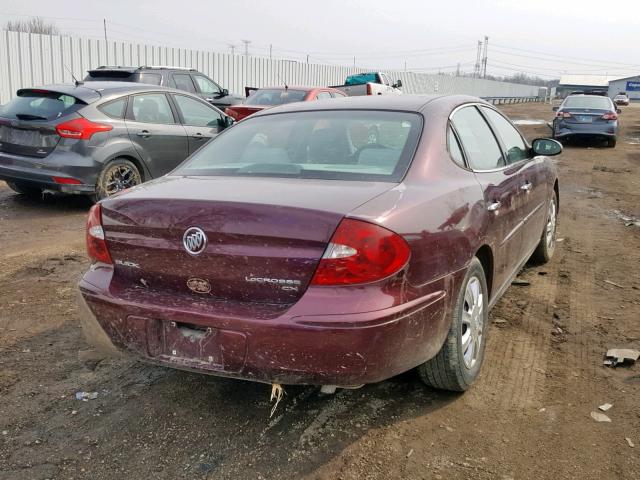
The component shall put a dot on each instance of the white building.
(630, 85)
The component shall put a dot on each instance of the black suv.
(187, 79)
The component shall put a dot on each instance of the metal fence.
(31, 59)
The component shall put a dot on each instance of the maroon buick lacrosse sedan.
(331, 243)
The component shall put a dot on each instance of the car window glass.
(340, 145)
(337, 95)
(481, 147)
(114, 108)
(278, 96)
(152, 108)
(40, 104)
(150, 78)
(205, 85)
(323, 96)
(196, 113)
(586, 101)
(513, 143)
(183, 82)
(454, 148)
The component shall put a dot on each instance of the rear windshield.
(361, 78)
(337, 145)
(275, 97)
(596, 103)
(40, 105)
(110, 76)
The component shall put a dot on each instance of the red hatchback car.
(330, 243)
(272, 96)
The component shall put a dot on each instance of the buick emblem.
(194, 241)
(198, 285)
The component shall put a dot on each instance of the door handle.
(526, 187)
(144, 134)
(493, 207)
(198, 136)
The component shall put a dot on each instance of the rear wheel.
(117, 175)
(458, 363)
(611, 142)
(24, 189)
(547, 244)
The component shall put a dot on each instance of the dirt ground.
(528, 416)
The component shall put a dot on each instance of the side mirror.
(398, 84)
(225, 92)
(228, 121)
(546, 146)
(555, 109)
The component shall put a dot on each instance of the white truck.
(370, 83)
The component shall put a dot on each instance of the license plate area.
(585, 118)
(203, 347)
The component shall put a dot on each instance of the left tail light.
(361, 252)
(369, 89)
(96, 245)
(81, 128)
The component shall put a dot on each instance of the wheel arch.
(485, 255)
(140, 165)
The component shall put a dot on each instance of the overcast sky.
(545, 37)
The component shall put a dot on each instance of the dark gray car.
(100, 138)
(586, 116)
(187, 79)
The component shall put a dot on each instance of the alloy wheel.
(472, 324)
(120, 177)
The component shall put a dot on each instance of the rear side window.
(481, 147)
(513, 143)
(454, 148)
(40, 105)
(152, 108)
(114, 108)
(323, 96)
(150, 78)
(183, 81)
(338, 145)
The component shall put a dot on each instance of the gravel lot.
(527, 417)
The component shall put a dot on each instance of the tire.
(456, 367)
(26, 190)
(116, 176)
(611, 142)
(547, 243)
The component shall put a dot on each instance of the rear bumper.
(563, 129)
(39, 172)
(343, 350)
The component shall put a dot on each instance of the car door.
(155, 132)
(201, 120)
(211, 92)
(533, 187)
(500, 186)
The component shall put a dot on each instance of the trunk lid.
(28, 121)
(265, 236)
(585, 115)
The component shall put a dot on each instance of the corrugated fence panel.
(30, 60)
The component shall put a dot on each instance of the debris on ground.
(411, 451)
(499, 321)
(630, 442)
(600, 417)
(86, 396)
(613, 283)
(621, 356)
(277, 393)
(522, 283)
(605, 407)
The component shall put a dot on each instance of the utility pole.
(354, 62)
(106, 43)
(246, 47)
(458, 70)
(307, 58)
(484, 60)
(270, 52)
(476, 70)
(232, 47)
(405, 66)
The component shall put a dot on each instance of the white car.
(621, 99)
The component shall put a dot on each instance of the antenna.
(75, 80)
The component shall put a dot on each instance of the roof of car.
(137, 69)
(410, 103)
(91, 91)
